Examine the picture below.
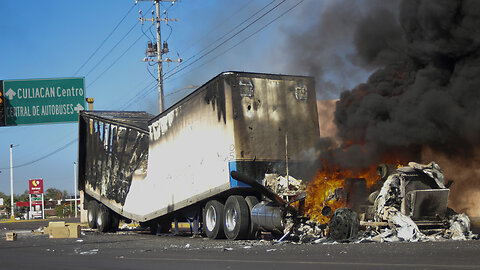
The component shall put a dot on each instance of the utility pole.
(12, 217)
(158, 50)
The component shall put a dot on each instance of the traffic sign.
(43, 100)
(35, 186)
(2, 104)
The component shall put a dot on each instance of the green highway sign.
(41, 101)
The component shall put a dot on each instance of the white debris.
(89, 252)
(460, 227)
(283, 186)
(405, 228)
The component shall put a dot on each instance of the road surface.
(137, 250)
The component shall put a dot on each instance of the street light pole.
(11, 182)
(75, 186)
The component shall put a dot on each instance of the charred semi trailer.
(179, 164)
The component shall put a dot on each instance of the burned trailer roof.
(138, 119)
(228, 74)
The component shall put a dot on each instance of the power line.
(111, 50)
(225, 41)
(231, 30)
(243, 40)
(214, 29)
(133, 99)
(116, 60)
(103, 42)
(43, 157)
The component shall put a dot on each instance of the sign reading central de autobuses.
(43, 100)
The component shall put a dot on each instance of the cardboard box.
(61, 230)
(12, 236)
(75, 230)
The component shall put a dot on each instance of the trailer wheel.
(103, 218)
(344, 224)
(236, 218)
(92, 214)
(253, 228)
(159, 226)
(165, 225)
(115, 221)
(213, 219)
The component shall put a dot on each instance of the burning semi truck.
(227, 157)
(194, 161)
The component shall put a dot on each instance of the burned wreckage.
(215, 159)
(408, 203)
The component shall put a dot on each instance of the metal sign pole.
(29, 214)
(43, 208)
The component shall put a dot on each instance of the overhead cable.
(116, 60)
(215, 29)
(105, 40)
(43, 157)
(225, 41)
(111, 50)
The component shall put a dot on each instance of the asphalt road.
(136, 250)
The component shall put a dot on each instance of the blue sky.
(53, 39)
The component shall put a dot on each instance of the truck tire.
(115, 221)
(159, 226)
(236, 218)
(344, 224)
(103, 218)
(92, 214)
(253, 229)
(213, 220)
(165, 225)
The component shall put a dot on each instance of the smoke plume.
(423, 91)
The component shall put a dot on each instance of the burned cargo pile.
(408, 204)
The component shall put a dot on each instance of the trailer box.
(247, 122)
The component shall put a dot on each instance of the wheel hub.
(211, 218)
(231, 219)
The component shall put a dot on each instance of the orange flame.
(326, 181)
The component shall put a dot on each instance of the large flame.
(326, 181)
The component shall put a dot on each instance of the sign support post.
(29, 215)
(43, 207)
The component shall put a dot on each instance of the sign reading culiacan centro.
(41, 101)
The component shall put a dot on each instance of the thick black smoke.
(426, 91)
(425, 85)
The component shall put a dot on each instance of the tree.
(62, 211)
(55, 194)
(23, 197)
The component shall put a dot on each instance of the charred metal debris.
(409, 203)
